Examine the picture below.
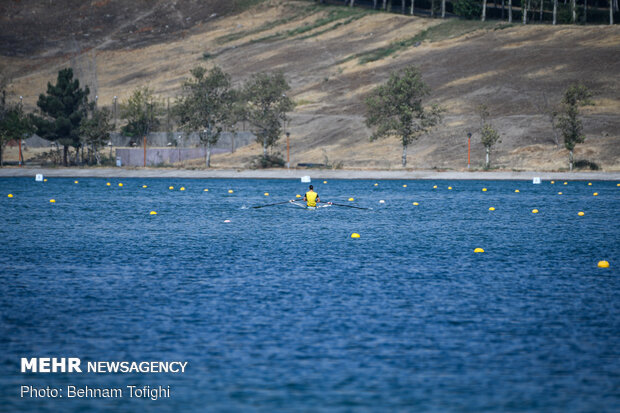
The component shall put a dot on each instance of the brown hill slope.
(512, 69)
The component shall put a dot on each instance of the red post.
(144, 151)
(21, 159)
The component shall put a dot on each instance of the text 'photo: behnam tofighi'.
(310, 205)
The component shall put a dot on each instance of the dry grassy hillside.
(333, 56)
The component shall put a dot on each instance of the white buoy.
(381, 201)
(38, 177)
(536, 180)
(305, 179)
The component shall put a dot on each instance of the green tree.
(267, 106)
(96, 129)
(64, 106)
(395, 109)
(576, 95)
(207, 106)
(470, 9)
(14, 124)
(489, 137)
(141, 111)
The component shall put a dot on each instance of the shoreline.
(298, 173)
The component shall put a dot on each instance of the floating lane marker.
(120, 184)
(552, 182)
(44, 179)
(324, 182)
(230, 191)
(589, 183)
(491, 209)
(517, 191)
(171, 188)
(153, 213)
(534, 211)
(603, 264)
(378, 184)
(405, 186)
(484, 189)
(227, 220)
(10, 196)
(266, 194)
(355, 235)
(182, 188)
(595, 194)
(416, 204)
(144, 186)
(205, 190)
(434, 186)
(450, 188)
(108, 184)
(351, 199)
(52, 201)
(580, 213)
(565, 183)
(297, 196)
(559, 193)
(381, 201)
(477, 250)
(75, 182)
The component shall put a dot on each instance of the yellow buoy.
(205, 190)
(52, 201)
(297, 196)
(516, 190)
(434, 186)
(44, 179)
(559, 193)
(351, 199)
(324, 182)
(405, 186)
(144, 186)
(416, 204)
(10, 195)
(589, 183)
(120, 184)
(75, 182)
(182, 188)
(534, 211)
(450, 188)
(153, 213)
(171, 187)
(491, 209)
(565, 183)
(266, 194)
(478, 250)
(580, 213)
(108, 184)
(376, 184)
(595, 194)
(484, 189)
(230, 191)
(355, 235)
(617, 184)
(552, 182)
(603, 264)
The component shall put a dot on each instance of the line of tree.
(397, 109)
(570, 11)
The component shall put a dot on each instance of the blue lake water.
(280, 310)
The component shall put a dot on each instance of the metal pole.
(115, 112)
(145, 151)
(288, 150)
(21, 159)
(468, 149)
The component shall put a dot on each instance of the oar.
(342, 205)
(277, 203)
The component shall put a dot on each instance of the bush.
(274, 160)
(469, 9)
(585, 164)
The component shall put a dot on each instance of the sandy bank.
(297, 174)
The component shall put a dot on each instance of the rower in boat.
(311, 198)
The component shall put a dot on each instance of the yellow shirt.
(311, 197)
